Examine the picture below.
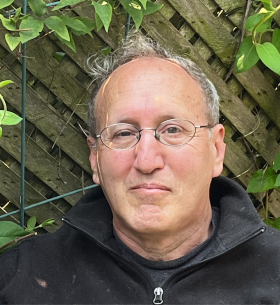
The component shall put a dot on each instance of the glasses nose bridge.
(147, 128)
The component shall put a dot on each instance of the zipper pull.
(158, 296)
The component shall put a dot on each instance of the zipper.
(158, 296)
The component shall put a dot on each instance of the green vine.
(265, 180)
(22, 28)
(253, 48)
(7, 117)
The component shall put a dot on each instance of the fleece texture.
(82, 264)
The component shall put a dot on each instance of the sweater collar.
(238, 220)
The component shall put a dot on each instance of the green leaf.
(134, 10)
(90, 24)
(262, 181)
(48, 222)
(276, 39)
(5, 83)
(10, 118)
(38, 7)
(144, 3)
(15, 17)
(276, 223)
(1, 131)
(35, 27)
(75, 24)
(9, 24)
(5, 3)
(252, 21)
(270, 56)
(64, 3)
(268, 5)
(151, 8)
(56, 24)
(104, 10)
(277, 182)
(106, 50)
(99, 23)
(247, 55)
(276, 163)
(12, 41)
(70, 44)
(31, 223)
(10, 231)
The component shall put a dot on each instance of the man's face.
(153, 188)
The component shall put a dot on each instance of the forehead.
(153, 85)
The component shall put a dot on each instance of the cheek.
(114, 164)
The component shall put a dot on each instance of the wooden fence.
(206, 31)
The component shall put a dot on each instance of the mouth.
(150, 187)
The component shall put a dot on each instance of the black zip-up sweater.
(82, 264)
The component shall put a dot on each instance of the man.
(151, 234)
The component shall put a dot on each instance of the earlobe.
(93, 159)
(220, 148)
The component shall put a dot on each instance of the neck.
(168, 245)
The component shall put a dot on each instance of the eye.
(170, 129)
(125, 133)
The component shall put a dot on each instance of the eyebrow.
(134, 121)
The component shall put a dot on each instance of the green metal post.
(22, 179)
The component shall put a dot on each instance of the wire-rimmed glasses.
(174, 132)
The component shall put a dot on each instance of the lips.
(150, 186)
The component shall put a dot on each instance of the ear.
(218, 134)
(93, 159)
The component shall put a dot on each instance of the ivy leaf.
(5, 3)
(104, 10)
(75, 24)
(48, 222)
(9, 24)
(276, 39)
(99, 23)
(10, 231)
(252, 21)
(276, 163)
(5, 83)
(33, 26)
(270, 56)
(151, 8)
(277, 182)
(31, 223)
(12, 41)
(64, 3)
(70, 44)
(247, 55)
(90, 25)
(38, 7)
(268, 5)
(144, 3)
(262, 181)
(15, 17)
(56, 24)
(276, 223)
(106, 50)
(10, 118)
(134, 10)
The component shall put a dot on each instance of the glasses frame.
(99, 136)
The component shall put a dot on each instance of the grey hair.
(137, 46)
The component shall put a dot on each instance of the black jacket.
(82, 264)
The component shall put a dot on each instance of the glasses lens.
(120, 136)
(175, 132)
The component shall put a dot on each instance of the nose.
(149, 155)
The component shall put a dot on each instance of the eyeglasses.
(174, 132)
